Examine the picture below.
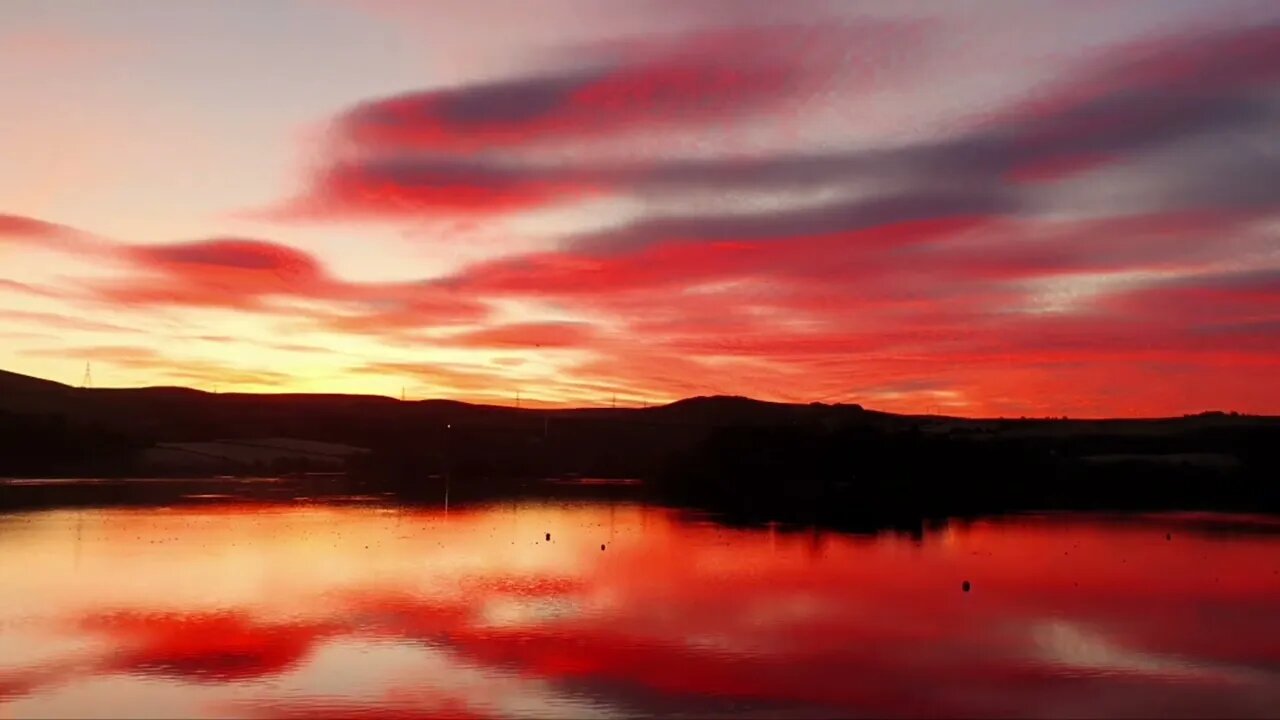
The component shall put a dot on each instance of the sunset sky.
(996, 207)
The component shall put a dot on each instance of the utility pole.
(517, 398)
(615, 401)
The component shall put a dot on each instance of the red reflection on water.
(306, 611)
(339, 709)
(221, 647)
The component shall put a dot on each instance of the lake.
(225, 606)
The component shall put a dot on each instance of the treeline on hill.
(836, 464)
(868, 474)
(475, 454)
(36, 444)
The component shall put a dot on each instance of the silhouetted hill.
(732, 454)
(21, 392)
(11, 382)
(737, 410)
(868, 474)
(179, 414)
(173, 410)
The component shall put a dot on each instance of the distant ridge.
(51, 429)
(11, 382)
(15, 382)
(183, 414)
(23, 393)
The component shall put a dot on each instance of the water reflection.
(258, 610)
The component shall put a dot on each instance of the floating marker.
(601, 547)
(965, 586)
(548, 537)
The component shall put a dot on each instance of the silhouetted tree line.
(473, 453)
(756, 461)
(53, 445)
(871, 474)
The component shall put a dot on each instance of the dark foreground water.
(228, 608)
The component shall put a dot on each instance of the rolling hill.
(48, 428)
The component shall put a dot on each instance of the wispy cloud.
(720, 205)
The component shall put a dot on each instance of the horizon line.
(569, 408)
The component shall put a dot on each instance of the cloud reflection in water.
(288, 611)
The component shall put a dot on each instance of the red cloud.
(426, 151)
(1240, 57)
(236, 273)
(592, 102)
(692, 80)
(1222, 300)
(1142, 94)
(356, 190)
(231, 254)
(1132, 99)
(222, 272)
(897, 315)
(255, 275)
(685, 262)
(42, 234)
(244, 274)
(953, 302)
(21, 226)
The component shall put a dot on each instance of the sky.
(995, 208)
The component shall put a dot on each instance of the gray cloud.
(849, 216)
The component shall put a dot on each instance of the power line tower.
(87, 382)
(517, 398)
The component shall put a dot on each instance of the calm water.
(227, 608)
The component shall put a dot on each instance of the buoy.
(965, 586)
(548, 536)
(1168, 536)
(601, 547)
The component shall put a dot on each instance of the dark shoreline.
(743, 460)
(268, 493)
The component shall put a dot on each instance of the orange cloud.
(526, 335)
